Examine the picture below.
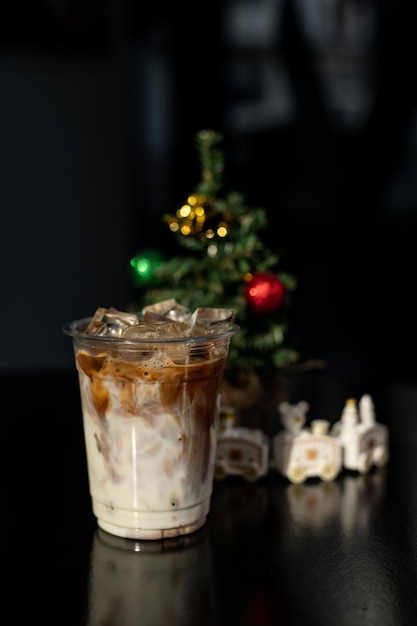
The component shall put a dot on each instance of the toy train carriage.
(306, 455)
(365, 448)
(364, 441)
(242, 452)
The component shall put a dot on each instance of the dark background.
(100, 103)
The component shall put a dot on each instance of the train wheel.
(219, 472)
(250, 474)
(364, 463)
(381, 457)
(329, 472)
(296, 474)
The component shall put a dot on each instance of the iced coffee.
(150, 387)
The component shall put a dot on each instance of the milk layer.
(150, 436)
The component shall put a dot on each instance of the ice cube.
(167, 309)
(110, 322)
(156, 330)
(210, 320)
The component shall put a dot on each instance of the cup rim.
(74, 329)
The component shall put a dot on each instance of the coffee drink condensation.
(150, 393)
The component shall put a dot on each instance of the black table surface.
(341, 553)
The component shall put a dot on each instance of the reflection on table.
(151, 582)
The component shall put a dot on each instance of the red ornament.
(265, 292)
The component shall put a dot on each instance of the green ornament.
(143, 267)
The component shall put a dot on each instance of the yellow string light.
(197, 218)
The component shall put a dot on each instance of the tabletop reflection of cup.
(150, 395)
(160, 582)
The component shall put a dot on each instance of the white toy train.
(356, 442)
(240, 451)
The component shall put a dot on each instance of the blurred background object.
(100, 104)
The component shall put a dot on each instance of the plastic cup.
(150, 412)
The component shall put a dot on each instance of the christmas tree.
(222, 262)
